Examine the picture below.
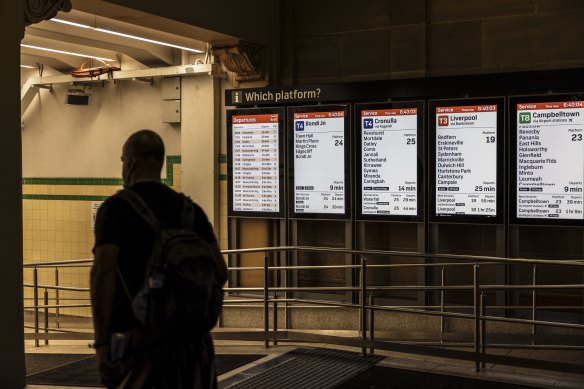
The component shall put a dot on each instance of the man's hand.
(111, 373)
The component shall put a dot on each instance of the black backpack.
(181, 291)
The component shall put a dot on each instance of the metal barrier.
(367, 306)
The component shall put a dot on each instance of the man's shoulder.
(114, 201)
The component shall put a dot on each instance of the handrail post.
(477, 318)
(364, 303)
(275, 329)
(266, 307)
(372, 323)
(36, 304)
(483, 328)
(534, 306)
(46, 299)
(442, 318)
(58, 311)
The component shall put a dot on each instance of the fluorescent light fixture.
(126, 35)
(27, 66)
(66, 52)
(70, 23)
(146, 40)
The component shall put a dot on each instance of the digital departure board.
(389, 166)
(255, 162)
(319, 154)
(467, 158)
(549, 159)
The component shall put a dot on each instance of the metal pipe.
(405, 254)
(51, 264)
(46, 296)
(36, 304)
(397, 288)
(372, 323)
(266, 307)
(483, 330)
(467, 258)
(476, 318)
(364, 303)
(275, 323)
(69, 288)
(58, 311)
(53, 306)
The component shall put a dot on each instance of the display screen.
(255, 160)
(466, 140)
(319, 152)
(389, 161)
(550, 160)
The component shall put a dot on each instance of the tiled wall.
(57, 215)
(223, 231)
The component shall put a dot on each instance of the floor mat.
(83, 372)
(36, 363)
(310, 368)
(388, 378)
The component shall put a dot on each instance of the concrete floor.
(500, 373)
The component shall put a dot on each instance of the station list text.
(319, 162)
(256, 183)
(466, 160)
(550, 160)
(389, 173)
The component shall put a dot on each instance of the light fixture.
(27, 66)
(126, 35)
(70, 23)
(66, 52)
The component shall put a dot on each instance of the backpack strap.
(140, 206)
(187, 213)
(142, 209)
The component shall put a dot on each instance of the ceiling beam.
(170, 71)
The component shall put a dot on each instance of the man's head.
(142, 157)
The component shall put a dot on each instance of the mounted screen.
(389, 160)
(255, 162)
(319, 152)
(548, 157)
(467, 160)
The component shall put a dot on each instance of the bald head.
(143, 156)
(145, 144)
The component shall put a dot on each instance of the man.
(123, 244)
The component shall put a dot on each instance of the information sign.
(319, 153)
(389, 161)
(255, 186)
(550, 160)
(466, 160)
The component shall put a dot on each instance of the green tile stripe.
(222, 177)
(64, 197)
(73, 181)
(170, 161)
(222, 158)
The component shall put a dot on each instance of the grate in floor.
(316, 368)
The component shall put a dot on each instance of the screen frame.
(291, 110)
(281, 155)
(498, 218)
(512, 142)
(420, 138)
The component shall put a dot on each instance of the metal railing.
(365, 302)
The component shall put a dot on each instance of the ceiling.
(79, 35)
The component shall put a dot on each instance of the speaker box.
(78, 99)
